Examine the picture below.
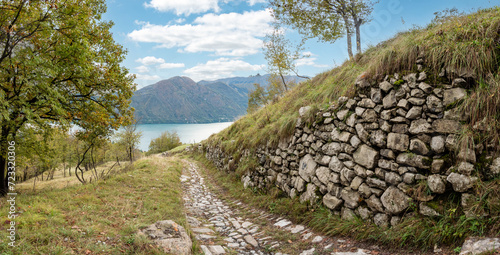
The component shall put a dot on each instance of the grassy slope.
(468, 42)
(78, 218)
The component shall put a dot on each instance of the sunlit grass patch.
(100, 218)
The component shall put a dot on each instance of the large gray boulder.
(335, 164)
(436, 184)
(390, 100)
(323, 174)
(307, 167)
(170, 236)
(332, 202)
(460, 182)
(351, 198)
(494, 169)
(310, 194)
(366, 156)
(420, 126)
(446, 126)
(414, 160)
(438, 144)
(453, 95)
(394, 200)
(477, 245)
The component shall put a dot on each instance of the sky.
(213, 39)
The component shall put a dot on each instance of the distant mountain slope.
(245, 84)
(181, 100)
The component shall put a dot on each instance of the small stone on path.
(217, 249)
(359, 252)
(249, 239)
(282, 223)
(297, 229)
(205, 250)
(246, 224)
(308, 252)
(317, 239)
(202, 230)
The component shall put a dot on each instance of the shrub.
(166, 141)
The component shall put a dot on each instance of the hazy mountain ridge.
(181, 100)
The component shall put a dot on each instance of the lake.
(188, 133)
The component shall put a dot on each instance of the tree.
(59, 65)
(129, 138)
(327, 20)
(256, 98)
(280, 54)
(260, 95)
(166, 141)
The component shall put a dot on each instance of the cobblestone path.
(234, 228)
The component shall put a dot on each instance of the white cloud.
(146, 77)
(230, 34)
(180, 20)
(220, 68)
(185, 7)
(150, 60)
(253, 2)
(142, 69)
(308, 59)
(171, 65)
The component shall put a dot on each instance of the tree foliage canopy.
(166, 141)
(281, 54)
(60, 65)
(327, 20)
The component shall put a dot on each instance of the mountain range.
(182, 100)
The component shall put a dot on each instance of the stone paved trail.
(234, 228)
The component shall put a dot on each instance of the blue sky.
(212, 39)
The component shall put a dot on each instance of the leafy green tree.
(260, 95)
(129, 138)
(281, 55)
(166, 141)
(59, 65)
(326, 20)
(256, 98)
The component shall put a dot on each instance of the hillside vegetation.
(466, 46)
(461, 43)
(62, 217)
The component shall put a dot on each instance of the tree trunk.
(348, 35)
(3, 165)
(4, 144)
(358, 36)
(357, 21)
(357, 24)
(284, 82)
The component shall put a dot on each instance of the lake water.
(188, 133)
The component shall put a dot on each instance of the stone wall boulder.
(394, 200)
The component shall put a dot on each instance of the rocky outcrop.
(170, 236)
(368, 154)
(475, 245)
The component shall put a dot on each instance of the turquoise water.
(189, 133)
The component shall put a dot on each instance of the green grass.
(79, 218)
(460, 43)
(179, 148)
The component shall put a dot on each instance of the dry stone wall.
(371, 156)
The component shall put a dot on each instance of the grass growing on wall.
(459, 44)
